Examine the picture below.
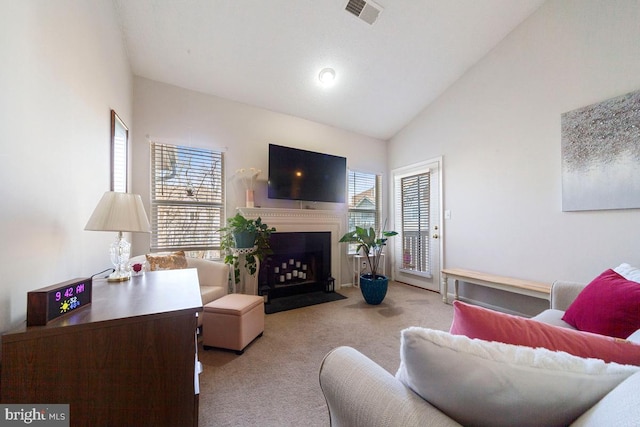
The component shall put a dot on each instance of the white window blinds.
(415, 222)
(187, 198)
(364, 201)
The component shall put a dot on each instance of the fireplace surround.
(306, 220)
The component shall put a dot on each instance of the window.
(119, 149)
(187, 199)
(364, 202)
(414, 193)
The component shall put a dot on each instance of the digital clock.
(46, 304)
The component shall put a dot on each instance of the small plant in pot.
(373, 286)
(249, 237)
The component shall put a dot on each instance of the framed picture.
(119, 151)
(600, 154)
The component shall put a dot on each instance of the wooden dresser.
(127, 359)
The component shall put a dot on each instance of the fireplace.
(300, 263)
(306, 220)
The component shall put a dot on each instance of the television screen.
(296, 174)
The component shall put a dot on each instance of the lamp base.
(118, 277)
(120, 251)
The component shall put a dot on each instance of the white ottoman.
(232, 322)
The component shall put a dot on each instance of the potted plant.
(248, 237)
(373, 285)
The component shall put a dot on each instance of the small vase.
(249, 199)
(373, 290)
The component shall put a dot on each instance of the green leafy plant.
(239, 224)
(371, 243)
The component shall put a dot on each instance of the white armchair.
(212, 275)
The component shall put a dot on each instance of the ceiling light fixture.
(327, 76)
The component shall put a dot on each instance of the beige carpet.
(275, 382)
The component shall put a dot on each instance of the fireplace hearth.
(300, 263)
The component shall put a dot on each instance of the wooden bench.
(509, 284)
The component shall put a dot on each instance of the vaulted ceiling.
(268, 53)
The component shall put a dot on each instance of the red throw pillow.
(609, 305)
(490, 325)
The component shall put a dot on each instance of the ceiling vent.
(367, 11)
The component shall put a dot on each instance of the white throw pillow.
(628, 272)
(481, 383)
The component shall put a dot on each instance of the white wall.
(63, 69)
(498, 129)
(170, 114)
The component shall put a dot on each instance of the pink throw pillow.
(609, 305)
(489, 325)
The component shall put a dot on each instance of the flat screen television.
(296, 174)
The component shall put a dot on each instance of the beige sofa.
(213, 277)
(359, 392)
(563, 293)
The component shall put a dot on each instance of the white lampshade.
(119, 212)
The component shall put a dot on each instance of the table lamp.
(121, 212)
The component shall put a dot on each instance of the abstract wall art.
(601, 155)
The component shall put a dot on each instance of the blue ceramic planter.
(373, 290)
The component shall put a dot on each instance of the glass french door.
(417, 248)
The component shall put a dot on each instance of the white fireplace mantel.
(299, 220)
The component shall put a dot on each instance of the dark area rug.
(301, 300)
